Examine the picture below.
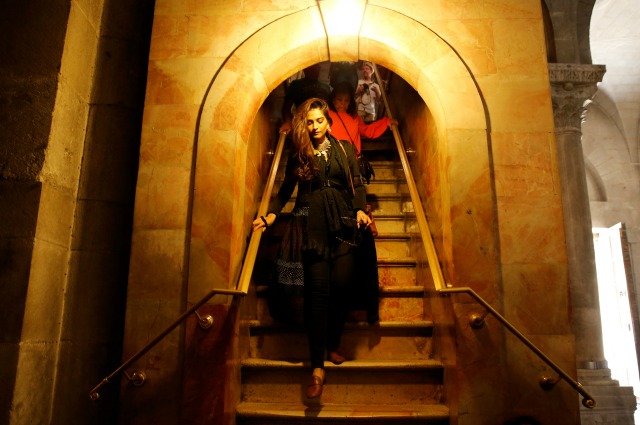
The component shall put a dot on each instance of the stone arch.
(254, 69)
(567, 26)
(608, 159)
(584, 9)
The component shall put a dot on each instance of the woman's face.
(341, 102)
(317, 125)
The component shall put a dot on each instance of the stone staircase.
(391, 376)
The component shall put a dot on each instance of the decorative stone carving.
(571, 86)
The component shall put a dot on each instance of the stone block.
(102, 226)
(110, 162)
(15, 270)
(9, 360)
(547, 284)
(95, 301)
(67, 139)
(157, 264)
(45, 294)
(56, 215)
(82, 366)
(33, 392)
(79, 60)
(20, 202)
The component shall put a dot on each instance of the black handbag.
(366, 170)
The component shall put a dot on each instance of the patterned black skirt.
(286, 290)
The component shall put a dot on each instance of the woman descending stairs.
(390, 376)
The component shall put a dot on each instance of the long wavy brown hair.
(301, 140)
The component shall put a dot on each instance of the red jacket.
(354, 127)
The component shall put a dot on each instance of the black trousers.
(325, 299)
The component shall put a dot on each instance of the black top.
(332, 199)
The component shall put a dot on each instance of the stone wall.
(481, 71)
(28, 81)
(73, 79)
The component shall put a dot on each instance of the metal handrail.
(477, 321)
(138, 378)
(432, 256)
(242, 287)
(438, 279)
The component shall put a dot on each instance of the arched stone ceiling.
(266, 58)
(300, 39)
(615, 42)
(607, 159)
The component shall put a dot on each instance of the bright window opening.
(615, 311)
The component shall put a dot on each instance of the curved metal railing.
(438, 279)
(242, 288)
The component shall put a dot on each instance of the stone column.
(571, 86)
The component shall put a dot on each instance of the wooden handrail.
(425, 233)
(436, 271)
(252, 250)
(242, 287)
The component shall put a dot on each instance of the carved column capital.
(571, 86)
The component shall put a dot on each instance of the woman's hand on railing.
(263, 222)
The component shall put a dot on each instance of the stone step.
(360, 341)
(389, 377)
(379, 186)
(395, 223)
(402, 303)
(397, 303)
(385, 142)
(392, 272)
(382, 203)
(393, 245)
(395, 272)
(386, 223)
(390, 204)
(327, 414)
(414, 382)
(388, 170)
(385, 170)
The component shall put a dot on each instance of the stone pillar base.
(615, 405)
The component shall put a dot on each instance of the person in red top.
(347, 124)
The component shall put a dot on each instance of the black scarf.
(330, 207)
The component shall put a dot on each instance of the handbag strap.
(346, 130)
(353, 190)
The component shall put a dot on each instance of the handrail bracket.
(137, 378)
(548, 383)
(477, 321)
(205, 322)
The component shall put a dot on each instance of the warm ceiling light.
(342, 17)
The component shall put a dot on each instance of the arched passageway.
(473, 106)
(247, 77)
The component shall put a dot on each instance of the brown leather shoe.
(315, 389)
(335, 357)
